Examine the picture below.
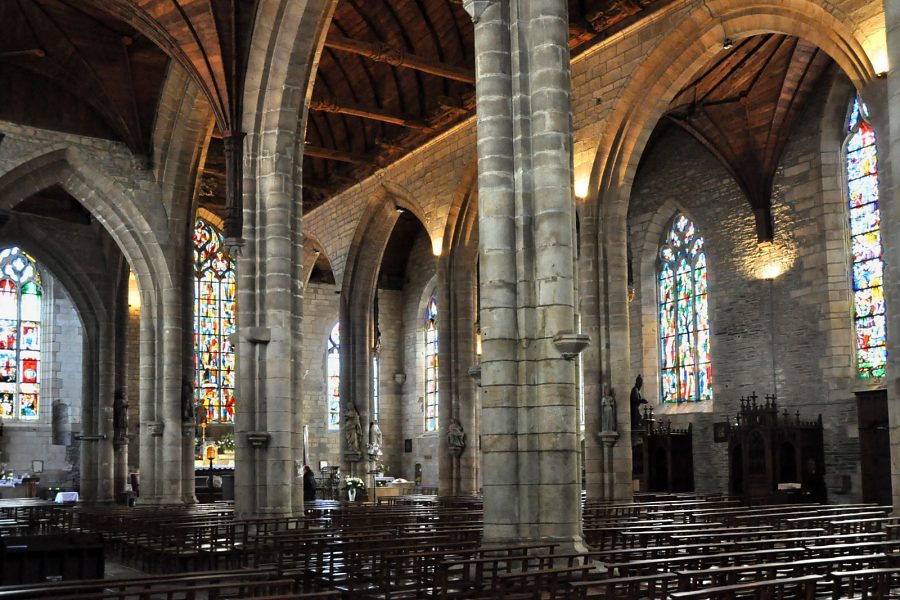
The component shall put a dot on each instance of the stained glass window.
(214, 322)
(431, 367)
(684, 315)
(375, 391)
(20, 335)
(333, 378)
(867, 268)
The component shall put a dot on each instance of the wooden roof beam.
(398, 57)
(368, 112)
(338, 155)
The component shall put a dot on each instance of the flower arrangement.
(226, 444)
(354, 483)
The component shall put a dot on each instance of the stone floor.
(116, 570)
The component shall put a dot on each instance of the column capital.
(476, 8)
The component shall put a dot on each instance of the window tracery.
(684, 331)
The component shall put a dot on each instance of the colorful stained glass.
(214, 322)
(684, 315)
(867, 269)
(333, 378)
(20, 335)
(431, 367)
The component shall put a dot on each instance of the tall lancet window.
(684, 315)
(865, 243)
(333, 378)
(214, 322)
(431, 366)
(20, 335)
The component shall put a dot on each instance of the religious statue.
(375, 440)
(352, 431)
(187, 401)
(120, 419)
(637, 398)
(456, 439)
(608, 420)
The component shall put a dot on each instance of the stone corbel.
(258, 335)
(475, 373)
(608, 438)
(235, 246)
(156, 428)
(570, 345)
(476, 8)
(258, 439)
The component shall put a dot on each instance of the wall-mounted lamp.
(400, 210)
(477, 339)
(728, 44)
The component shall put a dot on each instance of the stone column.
(150, 427)
(89, 409)
(104, 416)
(890, 208)
(169, 394)
(526, 210)
(268, 425)
(120, 389)
(356, 375)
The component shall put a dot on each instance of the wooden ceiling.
(742, 107)
(393, 74)
(396, 73)
(77, 69)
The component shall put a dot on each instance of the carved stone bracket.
(475, 373)
(570, 344)
(258, 439)
(156, 428)
(235, 246)
(476, 8)
(608, 438)
(258, 335)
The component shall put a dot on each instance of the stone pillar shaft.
(149, 442)
(529, 430)
(890, 207)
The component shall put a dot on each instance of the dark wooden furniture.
(768, 450)
(663, 456)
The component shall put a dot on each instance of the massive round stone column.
(890, 207)
(526, 215)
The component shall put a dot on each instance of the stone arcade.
(440, 236)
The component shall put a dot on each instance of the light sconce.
(477, 339)
(728, 44)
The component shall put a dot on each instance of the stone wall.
(420, 285)
(748, 313)
(61, 375)
(320, 307)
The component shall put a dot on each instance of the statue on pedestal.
(352, 433)
(120, 419)
(637, 398)
(375, 440)
(608, 417)
(456, 439)
(187, 401)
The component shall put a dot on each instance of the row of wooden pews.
(678, 547)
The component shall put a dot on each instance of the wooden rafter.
(338, 155)
(368, 112)
(398, 57)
